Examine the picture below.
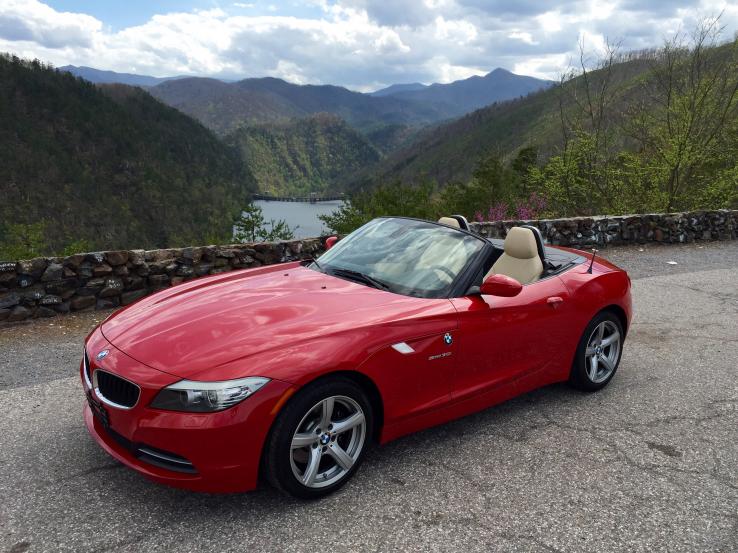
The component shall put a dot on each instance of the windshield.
(405, 256)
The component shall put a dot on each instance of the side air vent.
(165, 460)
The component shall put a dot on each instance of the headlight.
(205, 397)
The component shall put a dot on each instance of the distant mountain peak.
(395, 88)
(465, 95)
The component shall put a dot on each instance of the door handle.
(554, 301)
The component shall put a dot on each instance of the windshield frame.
(456, 288)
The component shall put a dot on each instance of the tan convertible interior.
(521, 259)
(523, 255)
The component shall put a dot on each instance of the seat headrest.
(521, 243)
(449, 221)
(539, 241)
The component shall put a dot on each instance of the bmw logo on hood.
(448, 339)
(102, 355)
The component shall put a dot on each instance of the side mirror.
(500, 285)
(330, 242)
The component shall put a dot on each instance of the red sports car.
(291, 371)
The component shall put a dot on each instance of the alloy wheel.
(328, 441)
(603, 351)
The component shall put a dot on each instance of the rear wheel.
(598, 353)
(319, 439)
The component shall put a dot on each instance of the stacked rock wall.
(45, 286)
(601, 231)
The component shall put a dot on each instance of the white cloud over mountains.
(362, 44)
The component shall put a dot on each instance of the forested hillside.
(90, 167)
(315, 154)
(450, 152)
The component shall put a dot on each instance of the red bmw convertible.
(292, 371)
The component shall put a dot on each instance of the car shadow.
(408, 450)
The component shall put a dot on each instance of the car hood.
(217, 320)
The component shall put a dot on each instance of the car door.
(503, 340)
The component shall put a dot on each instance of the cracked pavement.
(648, 464)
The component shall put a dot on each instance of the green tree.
(688, 127)
(388, 199)
(19, 241)
(252, 227)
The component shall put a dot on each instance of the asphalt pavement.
(648, 464)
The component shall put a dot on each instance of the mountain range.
(99, 76)
(301, 138)
(224, 106)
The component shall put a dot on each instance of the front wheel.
(598, 353)
(319, 439)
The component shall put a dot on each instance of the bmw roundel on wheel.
(291, 372)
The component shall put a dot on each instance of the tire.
(305, 459)
(598, 353)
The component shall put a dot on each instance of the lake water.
(302, 215)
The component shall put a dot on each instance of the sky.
(361, 44)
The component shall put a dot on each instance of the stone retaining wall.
(45, 286)
(601, 231)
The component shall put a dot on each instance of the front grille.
(117, 390)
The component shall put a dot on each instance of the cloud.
(32, 21)
(361, 44)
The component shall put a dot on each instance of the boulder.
(50, 299)
(133, 295)
(8, 279)
(137, 257)
(102, 269)
(113, 287)
(134, 282)
(45, 312)
(115, 258)
(33, 267)
(32, 294)
(107, 303)
(74, 261)
(78, 303)
(19, 313)
(10, 299)
(54, 271)
(58, 287)
(158, 281)
(85, 269)
(95, 258)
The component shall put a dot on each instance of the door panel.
(504, 339)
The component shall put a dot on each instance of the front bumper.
(211, 452)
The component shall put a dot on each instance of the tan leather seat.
(521, 260)
(450, 221)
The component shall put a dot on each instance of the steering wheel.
(444, 270)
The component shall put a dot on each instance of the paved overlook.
(648, 464)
